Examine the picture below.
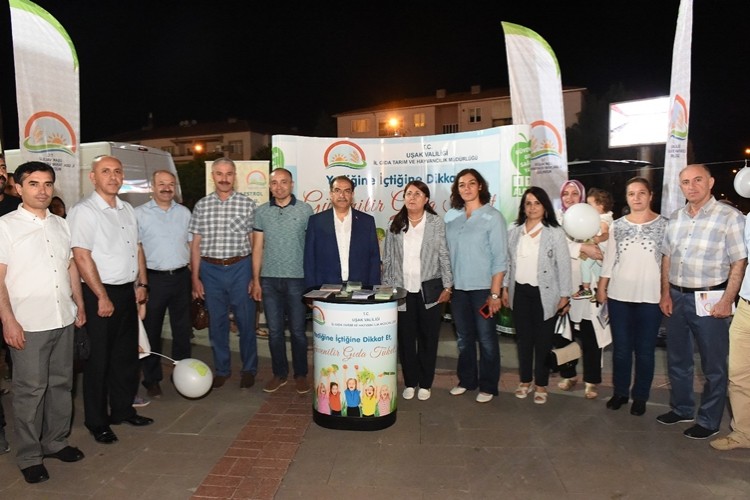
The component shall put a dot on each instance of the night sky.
(288, 63)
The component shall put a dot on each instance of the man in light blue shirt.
(163, 234)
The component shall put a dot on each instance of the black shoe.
(615, 402)
(35, 474)
(247, 380)
(136, 420)
(103, 434)
(671, 418)
(153, 390)
(67, 454)
(699, 432)
(219, 381)
(638, 407)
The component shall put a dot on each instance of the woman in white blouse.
(630, 284)
(415, 257)
(537, 287)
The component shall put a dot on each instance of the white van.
(139, 163)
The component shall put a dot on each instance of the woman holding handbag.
(630, 284)
(415, 257)
(537, 287)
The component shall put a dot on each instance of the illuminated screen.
(635, 123)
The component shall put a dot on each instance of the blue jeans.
(685, 329)
(226, 288)
(635, 327)
(471, 328)
(282, 298)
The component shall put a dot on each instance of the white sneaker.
(408, 393)
(458, 390)
(424, 394)
(484, 397)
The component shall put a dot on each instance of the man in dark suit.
(341, 243)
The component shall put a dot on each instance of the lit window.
(361, 126)
(419, 120)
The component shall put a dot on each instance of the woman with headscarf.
(572, 192)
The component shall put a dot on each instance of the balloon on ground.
(581, 221)
(192, 377)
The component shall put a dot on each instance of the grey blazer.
(434, 259)
(553, 268)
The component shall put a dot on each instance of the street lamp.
(398, 127)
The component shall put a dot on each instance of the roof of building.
(441, 97)
(193, 128)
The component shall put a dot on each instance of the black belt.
(745, 300)
(123, 285)
(720, 286)
(171, 271)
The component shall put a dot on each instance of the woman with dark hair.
(631, 284)
(415, 257)
(537, 287)
(477, 241)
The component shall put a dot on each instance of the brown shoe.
(274, 384)
(219, 380)
(247, 380)
(301, 385)
(153, 390)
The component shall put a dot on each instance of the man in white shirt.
(104, 237)
(40, 301)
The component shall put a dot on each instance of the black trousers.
(170, 292)
(591, 354)
(533, 335)
(418, 335)
(110, 377)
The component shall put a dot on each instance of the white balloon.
(742, 182)
(581, 221)
(192, 377)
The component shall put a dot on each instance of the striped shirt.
(701, 248)
(223, 226)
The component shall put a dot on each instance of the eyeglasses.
(342, 191)
(413, 194)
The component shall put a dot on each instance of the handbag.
(562, 326)
(431, 290)
(199, 314)
(563, 355)
(81, 344)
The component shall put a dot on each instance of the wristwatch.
(143, 285)
(494, 296)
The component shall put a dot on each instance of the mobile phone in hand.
(485, 311)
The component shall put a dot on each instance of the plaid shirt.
(701, 248)
(224, 226)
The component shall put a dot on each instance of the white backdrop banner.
(675, 158)
(381, 168)
(536, 99)
(47, 92)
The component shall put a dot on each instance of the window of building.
(475, 115)
(499, 122)
(450, 128)
(168, 149)
(361, 126)
(235, 147)
(419, 120)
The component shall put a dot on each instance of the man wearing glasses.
(341, 243)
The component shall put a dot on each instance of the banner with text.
(47, 93)
(251, 179)
(381, 168)
(536, 99)
(675, 158)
